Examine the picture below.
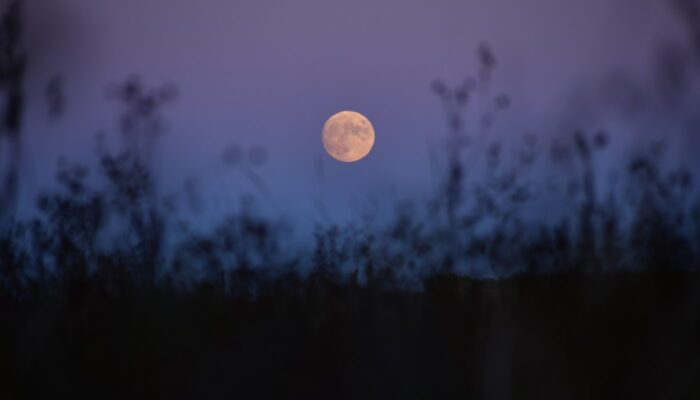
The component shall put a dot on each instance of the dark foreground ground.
(632, 335)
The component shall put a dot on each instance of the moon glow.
(348, 136)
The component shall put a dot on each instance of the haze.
(269, 73)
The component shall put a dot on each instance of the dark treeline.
(103, 293)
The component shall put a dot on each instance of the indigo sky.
(268, 73)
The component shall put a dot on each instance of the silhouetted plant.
(13, 65)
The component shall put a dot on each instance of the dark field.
(627, 335)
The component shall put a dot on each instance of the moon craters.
(348, 136)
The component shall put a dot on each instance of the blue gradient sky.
(270, 72)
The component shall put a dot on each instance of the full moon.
(348, 136)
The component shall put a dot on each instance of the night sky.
(526, 224)
(269, 73)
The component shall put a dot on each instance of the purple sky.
(269, 73)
